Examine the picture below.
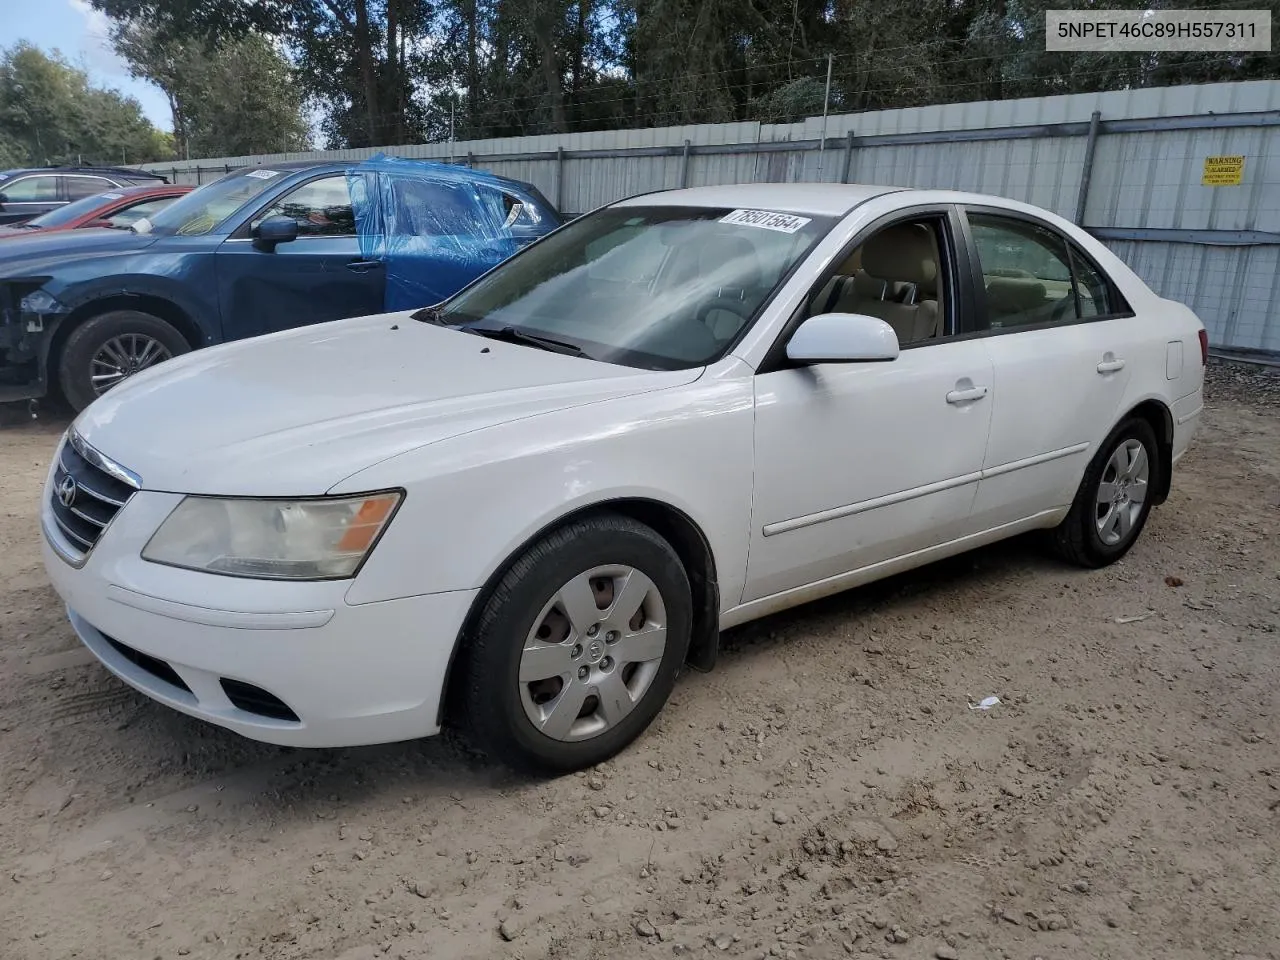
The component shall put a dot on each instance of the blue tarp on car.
(436, 227)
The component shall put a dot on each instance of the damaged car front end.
(29, 316)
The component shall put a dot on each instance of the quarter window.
(321, 207)
(1032, 276)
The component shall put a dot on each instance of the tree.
(392, 71)
(51, 113)
(227, 99)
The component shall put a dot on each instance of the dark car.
(119, 208)
(257, 251)
(29, 192)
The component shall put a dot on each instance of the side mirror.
(3, 198)
(277, 229)
(843, 338)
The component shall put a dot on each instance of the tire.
(1092, 535)
(560, 723)
(115, 337)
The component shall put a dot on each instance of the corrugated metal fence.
(1127, 165)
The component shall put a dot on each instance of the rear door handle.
(363, 266)
(964, 396)
(1110, 366)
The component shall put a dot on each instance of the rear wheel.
(106, 350)
(1114, 499)
(578, 647)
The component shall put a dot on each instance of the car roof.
(826, 199)
(142, 189)
(821, 199)
(294, 166)
(122, 172)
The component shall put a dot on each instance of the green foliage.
(233, 98)
(50, 113)
(394, 71)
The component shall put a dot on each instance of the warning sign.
(1222, 171)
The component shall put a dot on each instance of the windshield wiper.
(516, 335)
(428, 315)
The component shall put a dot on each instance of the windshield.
(204, 208)
(658, 287)
(73, 211)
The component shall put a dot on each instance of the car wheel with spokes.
(1114, 499)
(577, 648)
(104, 351)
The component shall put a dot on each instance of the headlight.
(320, 539)
(39, 302)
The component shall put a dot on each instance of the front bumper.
(346, 674)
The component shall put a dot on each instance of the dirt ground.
(826, 792)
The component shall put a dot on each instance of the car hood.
(295, 413)
(37, 251)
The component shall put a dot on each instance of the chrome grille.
(87, 491)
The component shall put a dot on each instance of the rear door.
(320, 276)
(1062, 344)
(84, 185)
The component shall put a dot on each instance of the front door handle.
(363, 266)
(1110, 366)
(965, 396)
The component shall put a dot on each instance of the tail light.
(1204, 347)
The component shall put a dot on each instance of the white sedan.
(524, 510)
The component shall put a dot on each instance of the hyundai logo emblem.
(67, 490)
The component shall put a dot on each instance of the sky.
(80, 33)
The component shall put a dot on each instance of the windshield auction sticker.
(263, 174)
(766, 220)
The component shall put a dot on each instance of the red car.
(115, 208)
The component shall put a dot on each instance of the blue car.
(260, 250)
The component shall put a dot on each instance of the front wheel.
(1114, 499)
(577, 648)
(105, 350)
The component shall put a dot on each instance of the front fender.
(196, 298)
(474, 500)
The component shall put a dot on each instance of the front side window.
(1032, 276)
(321, 207)
(656, 287)
(898, 274)
(40, 189)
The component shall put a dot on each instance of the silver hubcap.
(593, 652)
(122, 357)
(1122, 492)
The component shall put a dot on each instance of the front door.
(319, 276)
(24, 197)
(864, 462)
(1062, 348)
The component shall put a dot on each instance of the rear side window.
(80, 187)
(144, 208)
(1033, 276)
